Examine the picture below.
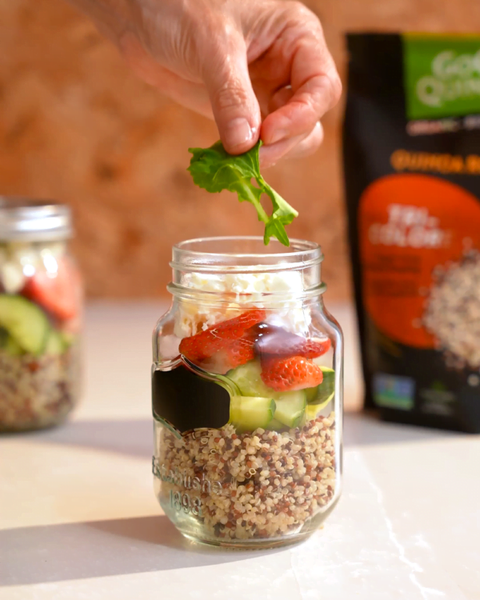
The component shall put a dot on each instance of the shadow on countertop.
(134, 437)
(53, 553)
(131, 437)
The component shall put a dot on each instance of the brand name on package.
(453, 77)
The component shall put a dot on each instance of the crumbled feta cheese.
(242, 288)
(12, 276)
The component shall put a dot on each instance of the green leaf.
(214, 170)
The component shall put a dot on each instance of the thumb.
(234, 104)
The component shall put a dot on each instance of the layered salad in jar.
(244, 400)
(40, 300)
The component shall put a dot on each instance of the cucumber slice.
(13, 348)
(324, 394)
(325, 391)
(249, 380)
(311, 393)
(55, 344)
(25, 322)
(291, 408)
(276, 425)
(248, 413)
(314, 410)
(8, 344)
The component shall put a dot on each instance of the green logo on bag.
(441, 75)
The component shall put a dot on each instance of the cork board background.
(75, 125)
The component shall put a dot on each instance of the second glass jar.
(247, 394)
(40, 315)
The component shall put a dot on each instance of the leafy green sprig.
(214, 170)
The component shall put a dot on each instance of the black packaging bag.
(411, 143)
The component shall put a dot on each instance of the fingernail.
(278, 135)
(238, 132)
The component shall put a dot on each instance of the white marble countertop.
(78, 518)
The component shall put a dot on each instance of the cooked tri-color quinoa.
(260, 484)
(37, 391)
(452, 312)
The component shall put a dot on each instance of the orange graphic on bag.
(410, 225)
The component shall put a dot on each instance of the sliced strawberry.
(59, 293)
(233, 355)
(273, 341)
(292, 373)
(239, 353)
(205, 344)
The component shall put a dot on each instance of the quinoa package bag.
(412, 176)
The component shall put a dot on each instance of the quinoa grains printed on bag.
(412, 178)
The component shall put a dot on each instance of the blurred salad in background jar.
(40, 315)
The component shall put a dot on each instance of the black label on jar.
(187, 401)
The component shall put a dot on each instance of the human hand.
(260, 68)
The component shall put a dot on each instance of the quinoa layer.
(452, 312)
(261, 484)
(36, 391)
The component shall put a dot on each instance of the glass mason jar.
(247, 394)
(40, 315)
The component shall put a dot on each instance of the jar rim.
(31, 219)
(243, 254)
